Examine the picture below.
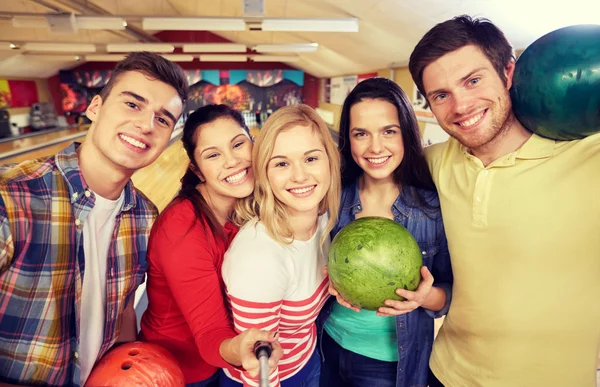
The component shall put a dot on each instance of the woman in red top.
(186, 311)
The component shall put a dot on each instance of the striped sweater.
(277, 288)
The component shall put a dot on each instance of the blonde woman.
(273, 270)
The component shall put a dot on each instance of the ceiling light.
(300, 47)
(179, 58)
(30, 22)
(214, 47)
(192, 24)
(104, 58)
(275, 58)
(132, 47)
(223, 58)
(311, 25)
(62, 23)
(54, 58)
(100, 23)
(59, 47)
(69, 22)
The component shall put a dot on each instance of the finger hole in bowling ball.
(133, 352)
(126, 365)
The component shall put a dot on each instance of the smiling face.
(298, 170)
(133, 125)
(468, 98)
(223, 156)
(375, 138)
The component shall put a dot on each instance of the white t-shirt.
(98, 230)
(279, 288)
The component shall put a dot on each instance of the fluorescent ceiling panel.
(30, 22)
(214, 47)
(104, 58)
(223, 58)
(59, 47)
(132, 47)
(300, 47)
(54, 58)
(100, 23)
(80, 22)
(311, 25)
(192, 24)
(179, 58)
(275, 58)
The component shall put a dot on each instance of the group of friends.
(507, 223)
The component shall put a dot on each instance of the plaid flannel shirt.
(43, 204)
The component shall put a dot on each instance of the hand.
(337, 296)
(412, 301)
(245, 345)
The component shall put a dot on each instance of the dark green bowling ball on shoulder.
(556, 84)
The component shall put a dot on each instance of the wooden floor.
(42, 152)
(40, 139)
(160, 181)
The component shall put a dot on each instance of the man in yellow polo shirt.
(522, 217)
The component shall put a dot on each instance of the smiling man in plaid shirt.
(74, 230)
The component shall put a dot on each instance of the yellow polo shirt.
(524, 237)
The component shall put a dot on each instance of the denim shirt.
(415, 329)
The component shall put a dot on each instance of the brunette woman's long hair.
(190, 180)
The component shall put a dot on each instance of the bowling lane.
(36, 153)
(160, 181)
(39, 140)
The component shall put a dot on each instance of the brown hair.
(190, 180)
(456, 33)
(413, 170)
(153, 66)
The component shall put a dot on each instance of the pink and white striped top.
(278, 288)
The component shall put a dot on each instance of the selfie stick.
(262, 350)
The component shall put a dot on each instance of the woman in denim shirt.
(385, 174)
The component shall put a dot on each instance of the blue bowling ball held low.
(556, 84)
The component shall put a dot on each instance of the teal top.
(363, 332)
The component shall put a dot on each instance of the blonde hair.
(263, 203)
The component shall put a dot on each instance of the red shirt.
(186, 310)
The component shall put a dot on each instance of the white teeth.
(379, 160)
(133, 141)
(237, 177)
(472, 121)
(302, 190)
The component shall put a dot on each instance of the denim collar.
(400, 206)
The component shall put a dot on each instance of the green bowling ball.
(556, 84)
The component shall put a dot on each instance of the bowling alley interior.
(253, 55)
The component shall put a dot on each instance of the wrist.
(229, 351)
(435, 300)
